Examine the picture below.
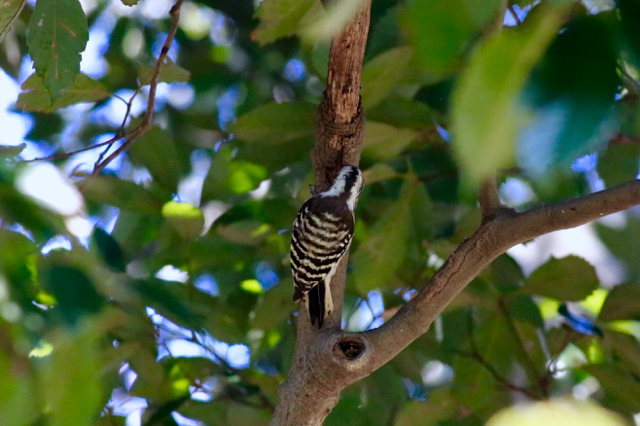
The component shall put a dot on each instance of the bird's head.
(348, 185)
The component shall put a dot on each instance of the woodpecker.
(322, 233)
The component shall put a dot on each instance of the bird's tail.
(319, 304)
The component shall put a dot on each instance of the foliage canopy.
(179, 298)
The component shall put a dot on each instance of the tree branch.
(492, 239)
(306, 397)
(340, 119)
(335, 359)
(327, 361)
(489, 198)
(133, 135)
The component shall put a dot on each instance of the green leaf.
(623, 243)
(522, 307)
(228, 177)
(10, 151)
(621, 303)
(620, 388)
(130, 2)
(378, 173)
(156, 151)
(195, 368)
(186, 218)
(382, 73)
(215, 183)
(245, 176)
(326, 26)
(619, 164)
(169, 73)
(134, 230)
(381, 254)
(167, 298)
(122, 194)
(506, 274)
(281, 18)
(373, 401)
(14, 259)
(213, 413)
(440, 405)
(57, 34)
(473, 385)
(242, 414)
(109, 248)
(35, 97)
(244, 232)
(629, 18)
(568, 279)
(277, 124)
(274, 308)
(73, 290)
(276, 135)
(9, 11)
(17, 208)
(200, 252)
(625, 348)
(401, 112)
(571, 95)
(386, 141)
(486, 112)
(17, 402)
(441, 29)
(71, 379)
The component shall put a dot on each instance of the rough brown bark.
(340, 119)
(309, 394)
(327, 361)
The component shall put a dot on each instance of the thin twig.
(133, 135)
(265, 402)
(512, 10)
(489, 197)
(494, 373)
(120, 133)
(62, 155)
(621, 139)
(524, 354)
(477, 356)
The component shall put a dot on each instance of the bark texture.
(309, 394)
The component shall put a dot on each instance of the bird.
(322, 233)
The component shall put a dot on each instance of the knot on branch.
(349, 348)
(501, 211)
(332, 128)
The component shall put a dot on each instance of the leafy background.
(159, 292)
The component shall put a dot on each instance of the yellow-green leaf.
(561, 412)
(281, 18)
(382, 73)
(35, 97)
(385, 141)
(486, 112)
(169, 73)
(71, 379)
(9, 10)
(382, 253)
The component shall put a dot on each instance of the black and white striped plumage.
(322, 234)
